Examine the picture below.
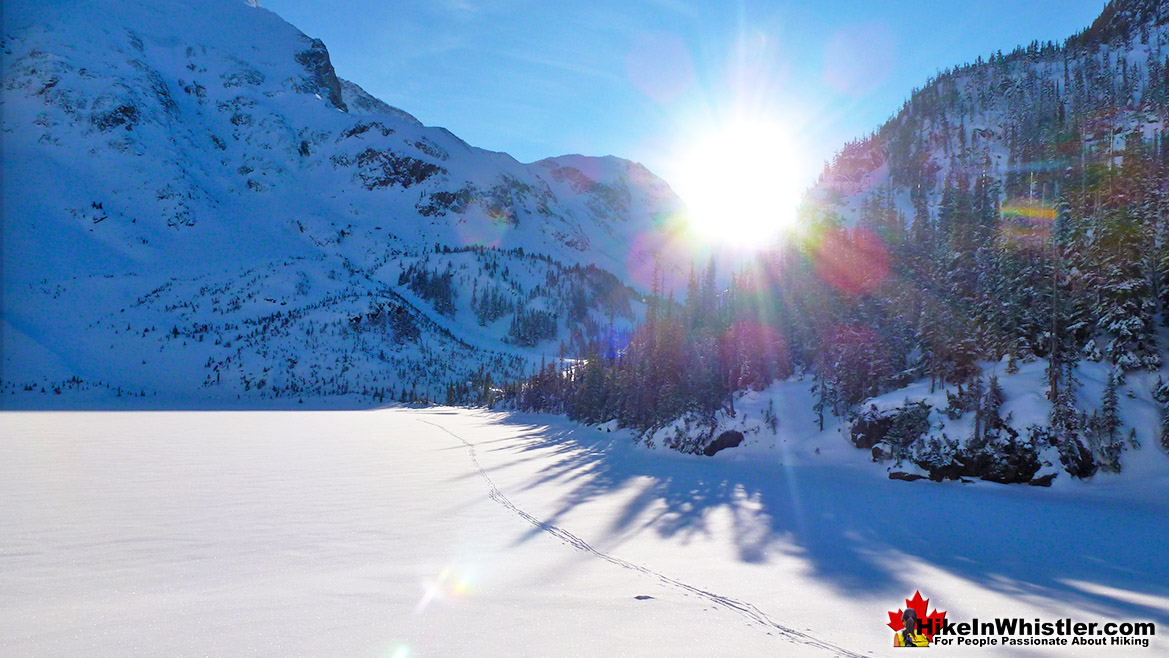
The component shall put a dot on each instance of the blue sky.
(640, 79)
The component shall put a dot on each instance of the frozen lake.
(439, 532)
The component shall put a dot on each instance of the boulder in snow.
(728, 439)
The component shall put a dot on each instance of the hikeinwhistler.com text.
(1014, 632)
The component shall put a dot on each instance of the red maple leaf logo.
(919, 606)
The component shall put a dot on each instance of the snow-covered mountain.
(1018, 118)
(196, 205)
(1013, 216)
(980, 288)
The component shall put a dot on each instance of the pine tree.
(826, 399)
(1110, 410)
(1165, 426)
(1123, 239)
(1066, 427)
(1105, 427)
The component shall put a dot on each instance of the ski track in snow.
(746, 610)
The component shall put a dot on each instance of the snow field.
(404, 532)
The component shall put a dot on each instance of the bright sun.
(741, 184)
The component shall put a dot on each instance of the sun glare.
(741, 184)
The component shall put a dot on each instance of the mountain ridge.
(163, 156)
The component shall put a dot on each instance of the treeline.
(686, 358)
(1077, 269)
(431, 285)
(530, 326)
(491, 304)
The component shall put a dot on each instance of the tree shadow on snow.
(855, 529)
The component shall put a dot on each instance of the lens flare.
(740, 184)
(1022, 208)
(1026, 224)
(854, 262)
(453, 583)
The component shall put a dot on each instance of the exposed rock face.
(1076, 459)
(728, 439)
(898, 427)
(382, 168)
(869, 430)
(1043, 481)
(316, 60)
(1120, 18)
(1010, 462)
(903, 434)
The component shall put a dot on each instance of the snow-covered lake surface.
(404, 533)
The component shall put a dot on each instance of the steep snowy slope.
(171, 150)
(1020, 118)
(1022, 205)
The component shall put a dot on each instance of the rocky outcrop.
(382, 168)
(728, 439)
(902, 434)
(1120, 19)
(1005, 462)
(316, 61)
(898, 427)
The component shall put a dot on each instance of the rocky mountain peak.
(1121, 18)
(315, 59)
